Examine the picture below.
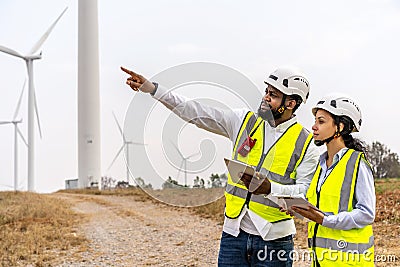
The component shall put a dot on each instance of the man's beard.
(269, 115)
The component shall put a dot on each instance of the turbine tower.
(16, 133)
(89, 153)
(125, 145)
(32, 106)
(184, 162)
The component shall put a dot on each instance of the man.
(255, 232)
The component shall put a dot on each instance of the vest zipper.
(259, 165)
(317, 205)
(316, 224)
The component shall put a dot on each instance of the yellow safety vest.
(333, 247)
(279, 164)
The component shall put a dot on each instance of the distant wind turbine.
(184, 162)
(32, 105)
(16, 133)
(125, 145)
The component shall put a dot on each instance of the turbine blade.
(5, 122)
(37, 114)
(36, 47)
(119, 126)
(179, 170)
(116, 156)
(11, 52)
(177, 149)
(22, 136)
(194, 154)
(136, 143)
(19, 101)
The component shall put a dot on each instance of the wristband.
(155, 90)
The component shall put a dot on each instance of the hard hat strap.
(337, 134)
(282, 108)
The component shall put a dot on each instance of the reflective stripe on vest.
(337, 195)
(242, 193)
(341, 245)
(278, 164)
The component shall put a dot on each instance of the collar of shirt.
(336, 158)
(283, 126)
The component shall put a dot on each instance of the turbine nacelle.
(16, 122)
(33, 57)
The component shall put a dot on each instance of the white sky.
(343, 46)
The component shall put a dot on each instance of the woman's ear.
(341, 126)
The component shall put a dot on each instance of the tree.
(170, 183)
(224, 179)
(201, 183)
(196, 182)
(107, 182)
(215, 180)
(140, 182)
(385, 163)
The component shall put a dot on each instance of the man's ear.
(291, 104)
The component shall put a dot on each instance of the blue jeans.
(252, 250)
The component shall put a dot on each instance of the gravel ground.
(125, 232)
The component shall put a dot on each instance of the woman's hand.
(310, 213)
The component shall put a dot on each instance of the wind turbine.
(184, 162)
(16, 133)
(32, 104)
(125, 145)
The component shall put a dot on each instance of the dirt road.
(125, 232)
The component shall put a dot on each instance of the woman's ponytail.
(354, 143)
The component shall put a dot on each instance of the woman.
(342, 189)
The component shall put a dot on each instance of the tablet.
(298, 201)
(236, 167)
(287, 202)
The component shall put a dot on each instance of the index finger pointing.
(128, 71)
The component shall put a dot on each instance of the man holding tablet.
(275, 145)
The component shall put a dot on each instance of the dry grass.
(387, 184)
(214, 210)
(387, 190)
(388, 201)
(178, 197)
(135, 192)
(34, 229)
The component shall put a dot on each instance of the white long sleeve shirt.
(364, 212)
(227, 123)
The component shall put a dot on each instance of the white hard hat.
(341, 105)
(290, 81)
